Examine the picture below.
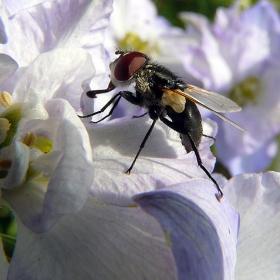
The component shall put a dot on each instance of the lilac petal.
(205, 61)
(238, 163)
(74, 171)
(256, 197)
(46, 202)
(202, 232)
(162, 162)
(248, 43)
(99, 242)
(7, 67)
(14, 6)
(264, 16)
(253, 151)
(3, 22)
(248, 40)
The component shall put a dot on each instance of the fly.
(163, 94)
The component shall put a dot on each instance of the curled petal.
(47, 200)
(17, 171)
(201, 231)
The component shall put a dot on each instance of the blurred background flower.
(238, 55)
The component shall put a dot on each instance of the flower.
(256, 198)
(78, 222)
(239, 56)
(49, 152)
(101, 232)
(135, 25)
(46, 159)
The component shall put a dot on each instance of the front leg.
(127, 95)
(114, 100)
(131, 98)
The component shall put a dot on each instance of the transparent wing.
(210, 100)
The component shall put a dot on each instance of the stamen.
(30, 139)
(246, 92)
(5, 99)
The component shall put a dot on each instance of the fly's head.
(126, 66)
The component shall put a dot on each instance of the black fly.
(164, 95)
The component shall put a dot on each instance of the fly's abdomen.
(189, 123)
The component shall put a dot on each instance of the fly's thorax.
(143, 81)
(147, 88)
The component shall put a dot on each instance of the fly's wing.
(210, 100)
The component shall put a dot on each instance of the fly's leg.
(137, 117)
(142, 146)
(183, 130)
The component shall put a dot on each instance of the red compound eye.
(128, 65)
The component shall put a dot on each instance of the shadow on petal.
(194, 239)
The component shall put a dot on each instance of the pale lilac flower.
(45, 149)
(192, 235)
(50, 157)
(65, 230)
(238, 55)
(256, 197)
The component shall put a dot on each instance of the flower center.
(133, 41)
(246, 92)
(9, 123)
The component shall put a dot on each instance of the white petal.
(51, 24)
(162, 162)
(100, 242)
(56, 74)
(34, 108)
(17, 171)
(256, 197)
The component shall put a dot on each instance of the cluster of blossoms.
(78, 215)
